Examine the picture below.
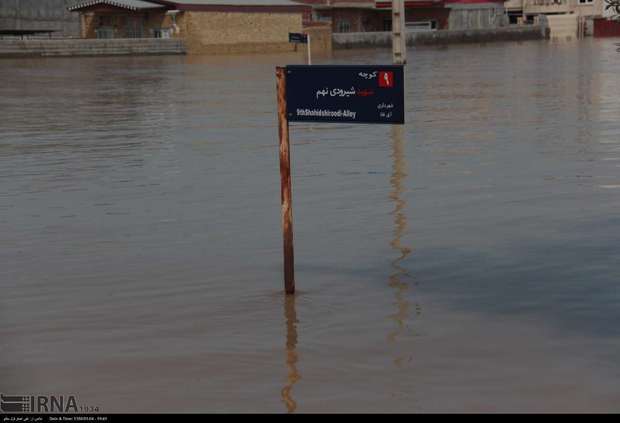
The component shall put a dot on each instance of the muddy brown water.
(468, 263)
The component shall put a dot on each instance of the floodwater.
(470, 262)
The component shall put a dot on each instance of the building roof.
(230, 2)
(123, 4)
(387, 4)
(180, 4)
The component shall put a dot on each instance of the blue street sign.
(294, 37)
(353, 94)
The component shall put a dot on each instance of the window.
(586, 1)
(344, 26)
(421, 26)
(162, 33)
(105, 21)
(105, 27)
(134, 28)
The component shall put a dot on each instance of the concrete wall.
(534, 7)
(39, 14)
(563, 26)
(232, 32)
(384, 39)
(476, 16)
(78, 47)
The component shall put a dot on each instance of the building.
(207, 26)
(476, 14)
(39, 15)
(376, 15)
(420, 15)
(527, 10)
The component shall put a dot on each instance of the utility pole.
(399, 36)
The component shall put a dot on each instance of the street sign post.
(286, 196)
(300, 38)
(337, 94)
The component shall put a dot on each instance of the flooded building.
(420, 15)
(213, 26)
(527, 9)
(566, 18)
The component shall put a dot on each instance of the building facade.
(528, 9)
(566, 18)
(476, 14)
(420, 15)
(212, 26)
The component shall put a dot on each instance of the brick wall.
(219, 32)
(231, 32)
(321, 38)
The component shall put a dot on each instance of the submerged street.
(466, 263)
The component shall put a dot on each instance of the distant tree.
(612, 9)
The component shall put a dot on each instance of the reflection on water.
(293, 376)
(141, 236)
(399, 275)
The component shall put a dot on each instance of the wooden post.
(399, 35)
(309, 50)
(285, 183)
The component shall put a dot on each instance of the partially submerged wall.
(91, 47)
(39, 14)
(232, 32)
(563, 26)
(476, 16)
(384, 39)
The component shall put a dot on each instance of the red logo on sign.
(386, 79)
